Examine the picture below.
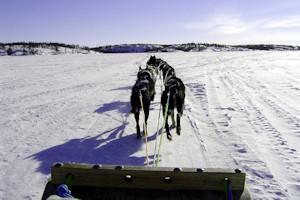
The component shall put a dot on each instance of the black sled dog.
(173, 97)
(151, 65)
(166, 69)
(142, 94)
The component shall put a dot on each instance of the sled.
(108, 182)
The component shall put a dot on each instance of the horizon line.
(138, 43)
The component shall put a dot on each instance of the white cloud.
(287, 22)
(233, 29)
(219, 24)
(233, 24)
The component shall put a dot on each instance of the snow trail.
(242, 111)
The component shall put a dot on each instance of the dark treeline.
(33, 48)
(268, 47)
(43, 45)
(129, 48)
(29, 48)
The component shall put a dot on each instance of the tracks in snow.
(223, 110)
(260, 107)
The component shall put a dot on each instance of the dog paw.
(178, 131)
(169, 136)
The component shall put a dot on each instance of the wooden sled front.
(137, 182)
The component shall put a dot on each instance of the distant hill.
(39, 48)
(35, 48)
(188, 47)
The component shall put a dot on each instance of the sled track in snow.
(263, 128)
(190, 114)
(204, 106)
(259, 174)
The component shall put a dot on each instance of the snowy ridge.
(31, 48)
(188, 47)
(242, 111)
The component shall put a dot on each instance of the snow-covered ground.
(242, 111)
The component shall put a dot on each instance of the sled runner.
(137, 182)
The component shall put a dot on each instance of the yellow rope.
(160, 142)
(157, 130)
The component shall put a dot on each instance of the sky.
(107, 22)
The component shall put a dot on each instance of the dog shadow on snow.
(108, 147)
(122, 107)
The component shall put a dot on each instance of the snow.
(242, 111)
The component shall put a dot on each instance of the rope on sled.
(161, 132)
(156, 155)
(227, 189)
(144, 128)
(157, 130)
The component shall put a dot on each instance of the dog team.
(172, 97)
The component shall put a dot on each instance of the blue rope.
(228, 189)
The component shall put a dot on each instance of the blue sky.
(102, 22)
